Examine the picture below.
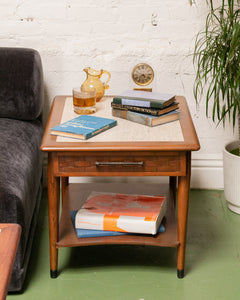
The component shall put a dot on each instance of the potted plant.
(217, 59)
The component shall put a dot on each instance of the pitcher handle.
(106, 86)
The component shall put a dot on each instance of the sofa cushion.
(20, 173)
(21, 83)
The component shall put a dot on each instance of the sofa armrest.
(21, 83)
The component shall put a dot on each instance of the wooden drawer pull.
(119, 163)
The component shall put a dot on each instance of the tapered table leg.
(173, 186)
(53, 211)
(65, 181)
(183, 196)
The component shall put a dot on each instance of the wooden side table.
(163, 151)
(9, 238)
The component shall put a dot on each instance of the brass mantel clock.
(142, 74)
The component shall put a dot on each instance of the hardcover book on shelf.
(144, 99)
(147, 110)
(121, 213)
(146, 119)
(83, 127)
(85, 233)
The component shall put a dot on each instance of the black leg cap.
(53, 274)
(180, 273)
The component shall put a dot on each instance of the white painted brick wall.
(114, 35)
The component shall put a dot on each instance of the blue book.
(84, 233)
(83, 127)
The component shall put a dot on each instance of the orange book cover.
(121, 212)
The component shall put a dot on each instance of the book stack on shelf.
(146, 108)
(108, 214)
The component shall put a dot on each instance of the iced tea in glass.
(84, 102)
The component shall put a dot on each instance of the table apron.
(116, 163)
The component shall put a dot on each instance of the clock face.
(142, 74)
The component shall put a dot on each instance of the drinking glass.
(84, 102)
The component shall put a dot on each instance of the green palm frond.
(217, 60)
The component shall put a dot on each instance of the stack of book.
(107, 214)
(146, 108)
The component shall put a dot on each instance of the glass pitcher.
(93, 81)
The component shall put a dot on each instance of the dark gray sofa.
(21, 104)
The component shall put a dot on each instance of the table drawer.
(121, 164)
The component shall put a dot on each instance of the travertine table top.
(125, 130)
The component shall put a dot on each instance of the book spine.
(85, 233)
(127, 225)
(151, 111)
(138, 102)
(132, 116)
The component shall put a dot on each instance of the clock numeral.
(142, 74)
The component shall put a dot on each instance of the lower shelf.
(76, 195)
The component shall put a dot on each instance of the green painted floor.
(137, 272)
